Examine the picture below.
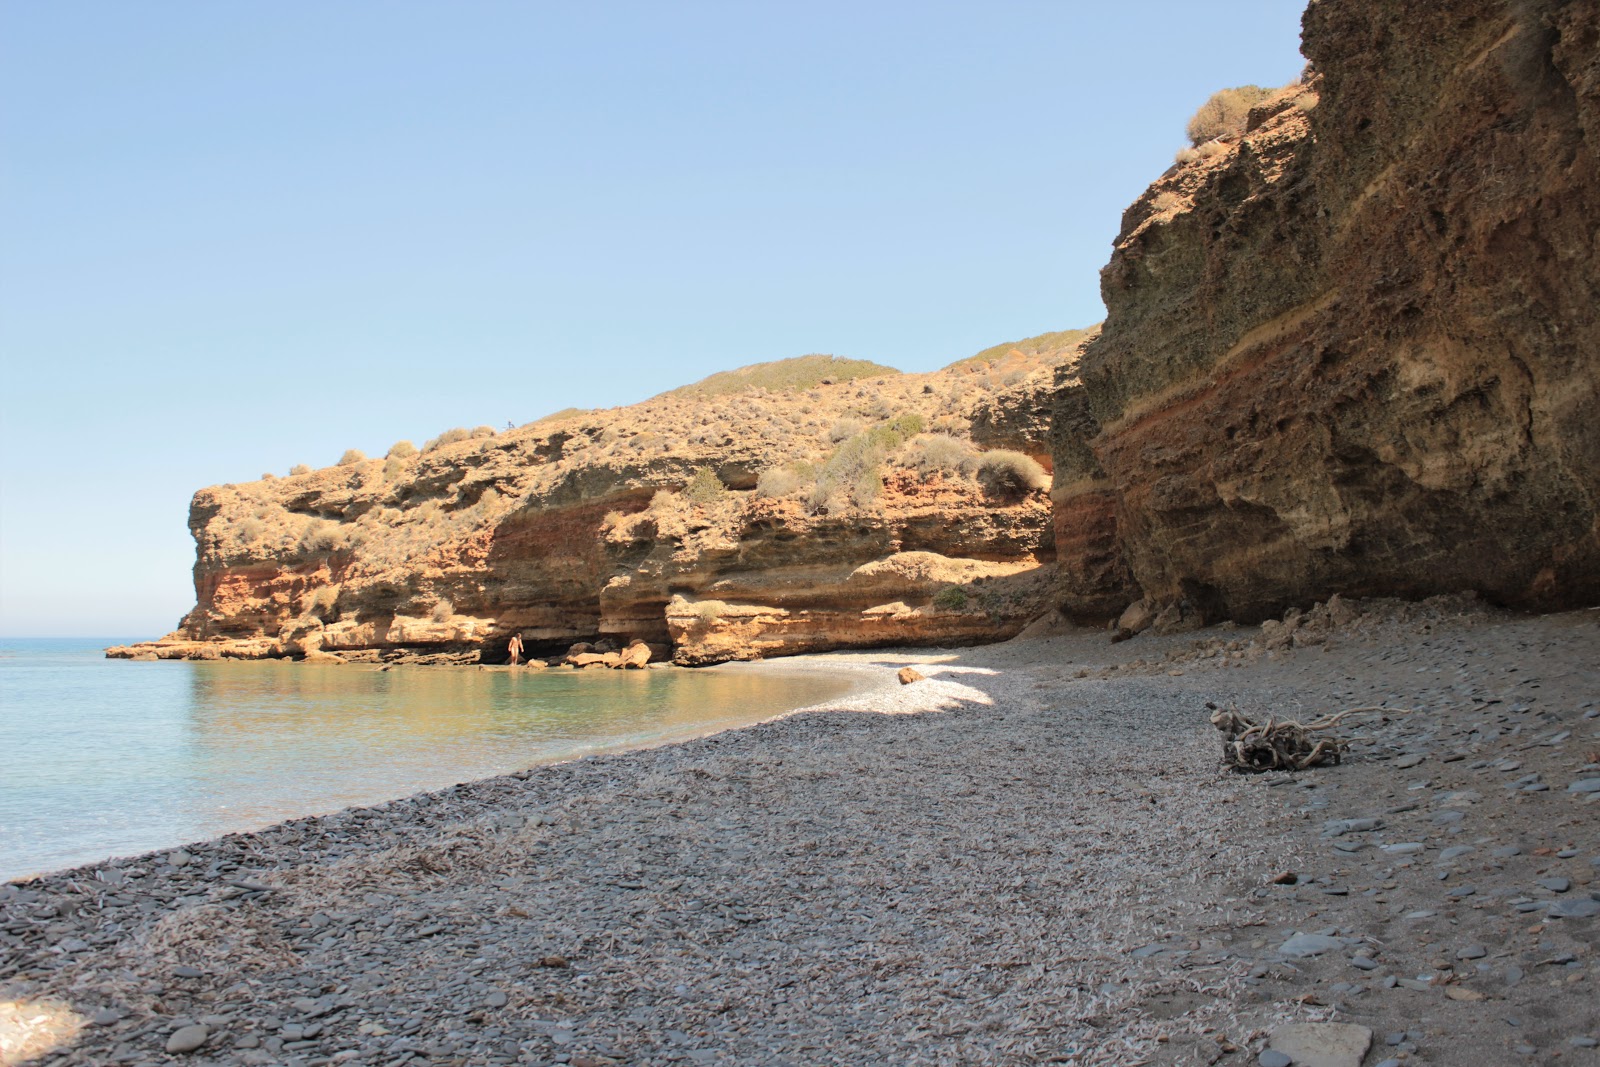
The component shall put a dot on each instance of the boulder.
(1135, 619)
(596, 659)
(635, 656)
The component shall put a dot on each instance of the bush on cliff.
(939, 453)
(401, 450)
(779, 482)
(351, 457)
(1225, 112)
(704, 487)
(299, 469)
(1006, 473)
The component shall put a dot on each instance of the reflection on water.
(110, 757)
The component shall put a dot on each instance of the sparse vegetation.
(299, 469)
(784, 376)
(950, 598)
(845, 429)
(1224, 113)
(779, 482)
(392, 469)
(442, 610)
(1006, 473)
(351, 457)
(1044, 344)
(401, 450)
(480, 432)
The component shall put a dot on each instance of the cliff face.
(874, 524)
(1357, 348)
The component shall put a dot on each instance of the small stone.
(187, 972)
(1506, 852)
(1585, 785)
(180, 858)
(1404, 848)
(1455, 852)
(907, 675)
(495, 999)
(1271, 1057)
(1556, 885)
(1409, 760)
(1322, 1044)
(187, 1039)
(1574, 909)
(1583, 1041)
(1472, 952)
(1456, 992)
(1301, 946)
(1364, 963)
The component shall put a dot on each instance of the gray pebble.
(187, 1039)
(1556, 885)
(1271, 1057)
(1575, 909)
(1583, 1041)
(1585, 785)
(1302, 945)
(1472, 952)
(1455, 852)
(1505, 852)
(1409, 760)
(1364, 963)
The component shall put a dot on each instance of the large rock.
(1355, 352)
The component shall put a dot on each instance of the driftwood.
(1284, 745)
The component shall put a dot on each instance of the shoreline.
(1041, 862)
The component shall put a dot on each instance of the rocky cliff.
(788, 507)
(1356, 348)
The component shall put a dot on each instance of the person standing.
(515, 648)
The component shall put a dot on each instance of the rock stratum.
(1356, 348)
(785, 508)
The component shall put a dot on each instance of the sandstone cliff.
(790, 507)
(1356, 349)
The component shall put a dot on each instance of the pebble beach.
(1033, 855)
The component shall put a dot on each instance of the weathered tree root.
(1281, 746)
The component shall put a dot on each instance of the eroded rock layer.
(1356, 348)
(707, 525)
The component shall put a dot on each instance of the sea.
(103, 758)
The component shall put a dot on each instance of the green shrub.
(401, 450)
(1225, 113)
(299, 469)
(449, 437)
(950, 598)
(939, 453)
(1006, 473)
(704, 487)
(351, 457)
(853, 474)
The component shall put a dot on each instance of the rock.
(1472, 952)
(179, 858)
(1051, 624)
(1271, 1057)
(187, 1039)
(1462, 993)
(1322, 1044)
(1404, 848)
(318, 656)
(907, 675)
(1409, 760)
(1556, 885)
(1585, 785)
(596, 659)
(636, 656)
(1136, 618)
(1302, 945)
(1574, 909)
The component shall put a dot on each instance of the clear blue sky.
(239, 236)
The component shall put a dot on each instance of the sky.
(237, 237)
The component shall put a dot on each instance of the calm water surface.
(108, 757)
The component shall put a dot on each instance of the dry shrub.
(845, 429)
(480, 432)
(776, 482)
(299, 469)
(1224, 113)
(1006, 473)
(442, 610)
(1167, 200)
(938, 453)
(392, 469)
(449, 437)
(1212, 149)
(401, 450)
(1186, 155)
(351, 457)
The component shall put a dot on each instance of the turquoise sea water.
(101, 757)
